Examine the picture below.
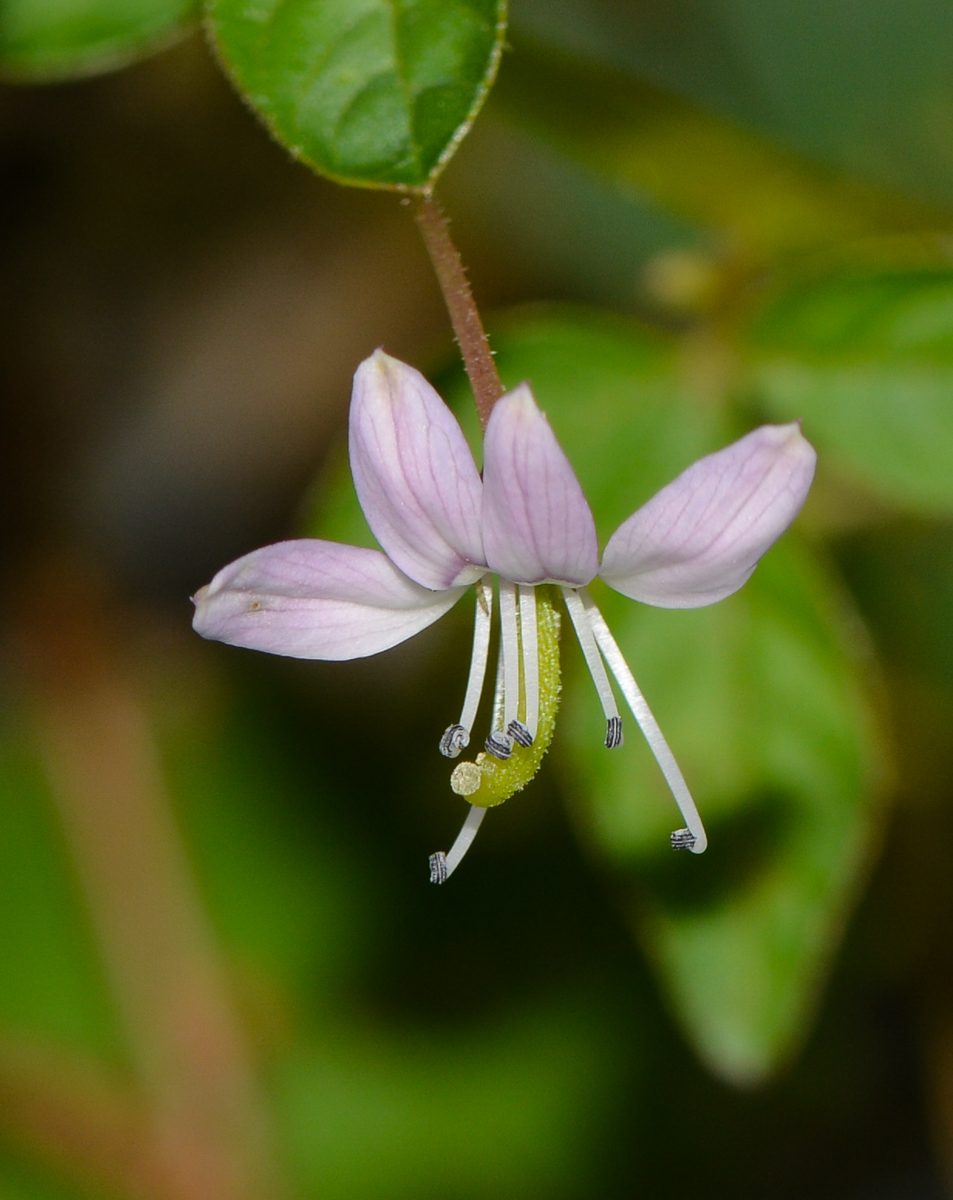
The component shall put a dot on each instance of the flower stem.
(471, 336)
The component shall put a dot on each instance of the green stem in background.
(467, 325)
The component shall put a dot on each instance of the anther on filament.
(590, 652)
(693, 837)
(529, 643)
(438, 867)
(499, 744)
(519, 733)
(443, 865)
(510, 654)
(455, 738)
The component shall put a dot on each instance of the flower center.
(526, 697)
(525, 701)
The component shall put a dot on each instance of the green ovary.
(498, 779)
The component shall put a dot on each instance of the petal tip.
(519, 402)
(799, 447)
(382, 373)
(790, 434)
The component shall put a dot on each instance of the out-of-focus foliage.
(867, 360)
(366, 1108)
(791, 789)
(764, 199)
(57, 986)
(62, 39)
(765, 698)
(377, 92)
(764, 189)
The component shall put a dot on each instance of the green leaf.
(762, 198)
(376, 93)
(281, 896)
(62, 39)
(505, 1108)
(764, 699)
(867, 361)
(51, 981)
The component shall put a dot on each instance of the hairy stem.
(471, 336)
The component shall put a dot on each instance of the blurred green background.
(223, 973)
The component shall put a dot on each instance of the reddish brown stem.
(471, 336)
(207, 1130)
(72, 1116)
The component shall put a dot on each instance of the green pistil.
(500, 779)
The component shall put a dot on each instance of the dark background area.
(181, 311)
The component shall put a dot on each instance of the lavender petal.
(700, 538)
(316, 599)
(415, 476)
(537, 525)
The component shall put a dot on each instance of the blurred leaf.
(763, 198)
(510, 1108)
(18, 1183)
(867, 361)
(51, 983)
(369, 92)
(277, 892)
(283, 897)
(903, 576)
(62, 39)
(366, 1110)
(762, 697)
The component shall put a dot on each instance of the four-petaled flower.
(444, 529)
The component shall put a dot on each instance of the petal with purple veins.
(537, 525)
(316, 599)
(700, 538)
(414, 473)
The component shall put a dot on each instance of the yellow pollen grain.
(466, 778)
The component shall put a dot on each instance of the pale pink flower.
(444, 529)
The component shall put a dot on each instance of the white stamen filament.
(456, 737)
(649, 726)
(509, 642)
(443, 865)
(481, 650)
(587, 643)
(498, 742)
(529, 638)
